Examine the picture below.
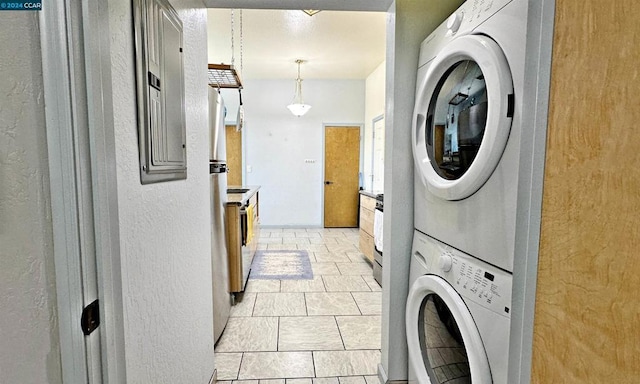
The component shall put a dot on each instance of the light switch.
(249, 169)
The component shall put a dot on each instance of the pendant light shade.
(298, 107)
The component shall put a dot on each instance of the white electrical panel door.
(160, 82)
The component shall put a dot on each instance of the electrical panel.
(160, 91)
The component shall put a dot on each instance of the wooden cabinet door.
(234, 156)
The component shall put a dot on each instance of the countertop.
(370, 194)
(241, 198)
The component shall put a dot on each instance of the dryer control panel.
(474, 12)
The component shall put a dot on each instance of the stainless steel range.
(377, 238)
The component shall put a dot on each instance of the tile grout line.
(239, 367)
(306, 309)
(254, 305)
(365, 283)
(278, 336)
(335, 319)
(313, 362)
(356, 301)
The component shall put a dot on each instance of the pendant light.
(298, 107)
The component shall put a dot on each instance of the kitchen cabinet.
(367, 207)
(242, 216)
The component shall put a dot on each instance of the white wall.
(278, 143)
(374, 107)
(410, 21)
(165, 227)
(30, 350)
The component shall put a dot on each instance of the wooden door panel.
(342, 167)
(234, 155)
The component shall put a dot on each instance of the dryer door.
(444, 343)
(463, 113)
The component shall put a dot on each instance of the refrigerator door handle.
(218, 168)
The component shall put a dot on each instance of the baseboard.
(382, 376)
(214, 377)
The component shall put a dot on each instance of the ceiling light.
(310, 12)
(298, 107)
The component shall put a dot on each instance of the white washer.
(466, 129)
(457, 317)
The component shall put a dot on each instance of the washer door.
(444, 343)
(463, 112)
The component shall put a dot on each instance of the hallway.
(320, 331)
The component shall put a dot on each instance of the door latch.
(90, 319)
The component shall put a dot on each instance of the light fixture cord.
(241, 46)
(299, 85)
(233, 47)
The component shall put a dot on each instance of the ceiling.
(334, 44)
(344, 5)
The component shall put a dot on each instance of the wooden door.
(234, 156)
(341, 176)
(586, 323)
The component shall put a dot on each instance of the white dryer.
(466, 129)
(457, 317)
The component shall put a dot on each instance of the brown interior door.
(341, 176)
(234, 156)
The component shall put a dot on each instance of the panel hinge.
(90, 319)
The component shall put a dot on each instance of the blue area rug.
(281, 265)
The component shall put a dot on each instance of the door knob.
(328, 182)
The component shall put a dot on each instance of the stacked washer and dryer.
(466, 147)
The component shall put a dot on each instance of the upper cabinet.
(160, 87)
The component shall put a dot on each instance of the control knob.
(445, 262)
(454, 21)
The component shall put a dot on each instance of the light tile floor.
(320, 331)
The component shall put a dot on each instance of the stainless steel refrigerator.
(218, 176)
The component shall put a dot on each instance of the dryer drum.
(471, 125)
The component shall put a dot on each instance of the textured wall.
(277, 143)
(165, 227)
(411, 21)
(30, 349)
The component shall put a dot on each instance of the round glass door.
(444, 343)
(456, 120)
(443, 350)
(463, 114)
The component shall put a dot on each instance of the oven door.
(444, 343)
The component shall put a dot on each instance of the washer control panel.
(472, 278)
(479, 282)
